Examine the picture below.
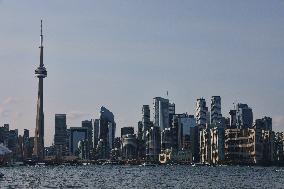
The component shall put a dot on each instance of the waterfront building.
(201, 113)
(166, 139)
(26, 144)
(161, 112)
(168, 156)
(19, 155)
(205, 145)
(68, 133)
(50, 152)
(96, 131)
(153, 144)
(4, 133)
(240, 146)
(13, 143)
(264, 145)
(5, 155)
(278, 152)
(249, 146)
(31, 148)
(89, 125)
(111, 135)
(141, 148)
(176, 132)
(83, 149)
(40, 73)
(216, 115)
(146, 123)
(187, 123)
(244, 116)
(129, 146)
(107, 129)
(102, 150)
(194, 144)
(211, 138)
(217, 145)
(60, 136)
(117, 148)
(77, 134)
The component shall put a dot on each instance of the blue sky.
(121, 54)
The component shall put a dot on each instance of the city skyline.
(88, 71)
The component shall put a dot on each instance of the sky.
(122, 54)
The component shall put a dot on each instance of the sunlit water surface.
(98, 176)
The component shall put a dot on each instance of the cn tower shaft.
(40, 73)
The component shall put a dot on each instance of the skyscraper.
(161, 112)
(106, 132)
(26, 144)
(96, 132)
(40, 73)
(145, 119)
(89, 124)
(244, 116)
(60, 136)
(216, 115)
(201, 113)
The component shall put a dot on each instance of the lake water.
(178, 176)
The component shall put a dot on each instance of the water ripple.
(141, 177)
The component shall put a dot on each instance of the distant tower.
(40, 73)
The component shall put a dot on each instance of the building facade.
(161, 112)
(201, 113)
(244, 116)
(60, 136)
(216, 114)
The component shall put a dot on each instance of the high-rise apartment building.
(244, 116)
(201, 113)
(216, 115)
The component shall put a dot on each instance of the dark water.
(95, 176)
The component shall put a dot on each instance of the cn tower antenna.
(41, 36)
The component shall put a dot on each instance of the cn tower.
(41, 73)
